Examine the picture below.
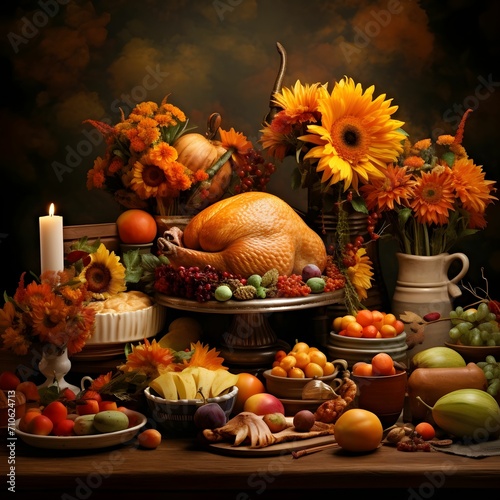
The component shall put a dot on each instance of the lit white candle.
(51, 242)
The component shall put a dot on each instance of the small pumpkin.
(197, 151)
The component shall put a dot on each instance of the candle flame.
(51, 210)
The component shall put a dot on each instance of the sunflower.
(357, 137)
(434, 197)
(300, 106)
(382, 194)
(149, 359)
(360, 275)
(105, 275)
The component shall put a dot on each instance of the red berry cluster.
(372, 222)
(292, 286)
(415, 443)
(350, 251)
(335, 280)
(254, 173)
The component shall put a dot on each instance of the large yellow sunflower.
(105, 275)
(360, 275)
(357, 137)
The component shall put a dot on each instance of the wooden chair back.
(106, 232)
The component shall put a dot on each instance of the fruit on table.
(247, 234)
(301, 361)
(491, 370)
(368, 324)
(150, 439)
(84, 425)
(136, 227)
(430, 384)
(248, 384)
(9, 381)
(437, 357)
(30, 390)
(475, 327)
(467, 413)
(110, 421)
(275, 421)
(40, 425)
(358, 430)
(188, 383)
(311, 271)
(263, 403)
(303, 420)
(56, 411)
(209, 416)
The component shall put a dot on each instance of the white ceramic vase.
(55, 365)
(423, 286)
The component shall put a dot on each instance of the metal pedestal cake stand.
(250, 342)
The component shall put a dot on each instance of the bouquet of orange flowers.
(153, 161)
(434, 196)
(52, 310)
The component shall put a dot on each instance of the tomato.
(136, 227)
(358, 430)
(248, 385)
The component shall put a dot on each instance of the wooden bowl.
(383, 395)
(474, 354)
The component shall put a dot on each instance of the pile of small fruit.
(302, 361)
(475, 327)
(368, 324)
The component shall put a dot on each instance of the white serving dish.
(92, 441)
(128, 326)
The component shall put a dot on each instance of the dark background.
(64, 62)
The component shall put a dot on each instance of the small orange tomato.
(426, 430)
(369, 332)
(354, 329)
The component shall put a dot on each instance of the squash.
(430, 384)
(470, 414)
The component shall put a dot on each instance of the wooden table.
(179, 468)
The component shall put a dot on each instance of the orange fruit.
(364, 317)
(248, 385)
(300, 347)
(399, 326)
(295, 373)
(136, 227)
(150, 438)
(382, 364)
(369, 331)
(363, 369)
(337, 324)
(328, 368)
(313, 370)
(302, 359)
(358, 430)
(318, 357)
(349, 318)
(388, 331)
(354, 329)
(390, 319)
(288, 362)
(277, 371)
(426, 430)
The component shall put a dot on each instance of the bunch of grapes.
(491, 369)
(190, 282)
(254, 173)
(475, 327)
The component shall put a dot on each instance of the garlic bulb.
(317, 389)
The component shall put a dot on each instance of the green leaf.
(359, 204)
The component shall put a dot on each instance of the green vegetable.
(317, 285)
(438, 357)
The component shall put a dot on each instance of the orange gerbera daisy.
(99, 382)
(396, 187)
(434, 197)
(471, 186)
(149, 358)
(204, 357)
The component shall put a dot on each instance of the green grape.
(491, 317)
(476, 339)
(490, 359)
(494, 387)
(455, 333)
(486, 327)
(482, 311)
(482, 364)
(459, 310)
(490, 342)
(453, 314)
(489, 375)
(470, 316)
(464, 327)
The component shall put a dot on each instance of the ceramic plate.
(93, 441)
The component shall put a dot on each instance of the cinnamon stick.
(313, 449)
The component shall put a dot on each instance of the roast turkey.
(246, 234)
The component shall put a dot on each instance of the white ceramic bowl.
(354, 349)
(177, 415)
(128, 326)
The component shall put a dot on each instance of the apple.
(263, 403)
(9, 381)
(136, 227)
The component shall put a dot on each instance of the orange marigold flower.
(445, 140)
(99, 382)
(204, 357)
(161, 153)
(422, 144)
(414, 162)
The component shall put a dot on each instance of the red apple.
(136, 227)
(263, 403)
